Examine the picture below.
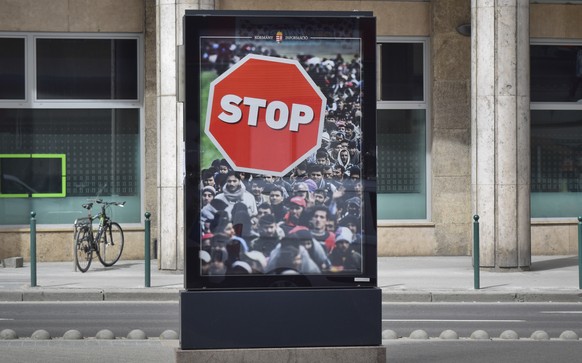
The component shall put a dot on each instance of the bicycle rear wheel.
(83, 250)
(111, 245)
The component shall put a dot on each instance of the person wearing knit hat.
(344, 258)
(354, 206)
(311, 185)
(269, 235)
(221, 224)
(208, 194)
(315, 250)
(301, 189)
(293, 217)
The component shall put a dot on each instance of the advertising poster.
(280, 150)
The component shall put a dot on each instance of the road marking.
(5, 319)
(453, 321)
(560, 312)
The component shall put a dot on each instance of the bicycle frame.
(106, 236)
(87, 222)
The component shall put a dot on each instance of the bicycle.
(106, 241)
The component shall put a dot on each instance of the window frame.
(553, 106)
(425, 104)
(31, 100)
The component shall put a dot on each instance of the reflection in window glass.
(402, 72)
(12, 68)
(401, 165)
(556, 73)
(556, 163)
(87, 69)
(102, 148)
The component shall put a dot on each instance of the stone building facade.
(471, 127)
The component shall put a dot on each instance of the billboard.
(280, 149)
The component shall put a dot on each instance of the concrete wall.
(57, 245)
(72, 15)
(394, 17)
(94, 16)
(556, 21)
(449, 229)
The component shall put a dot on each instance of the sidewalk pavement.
(402, 279)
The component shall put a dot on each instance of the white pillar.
(169, 14)
(500, 130)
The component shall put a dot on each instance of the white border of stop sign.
(293, 116)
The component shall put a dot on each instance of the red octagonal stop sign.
(265, 115)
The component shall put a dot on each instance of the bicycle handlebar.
(89, 206)
(118, 204)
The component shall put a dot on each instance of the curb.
(173, 294)
(481, 296)
(36, 295)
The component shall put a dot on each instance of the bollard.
(476, 262)
(32, 249)
(580, 252)
(147, 249)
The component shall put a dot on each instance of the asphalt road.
(155, 317)
(494, 318)
(90, 317)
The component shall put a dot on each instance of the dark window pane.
(12, 68)
(402, 72)
(31, 175)
(556, 73)
(87, 69)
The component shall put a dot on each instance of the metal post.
(580, 252)
(476, 263)
(147, 257)
(32, 249)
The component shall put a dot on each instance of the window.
(86, 69)
(12, 61)
(556, 129)
(79, 100)
(402, 129)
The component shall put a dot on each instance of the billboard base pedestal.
(286, 318)
(318, 354)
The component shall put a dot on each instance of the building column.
(170, 131)
(500, 131)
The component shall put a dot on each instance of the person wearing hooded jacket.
(315, 250)
(289, 256)
(343, 159)
(342, 257)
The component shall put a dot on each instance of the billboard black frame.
(205, 23)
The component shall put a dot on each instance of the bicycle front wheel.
(83, 250)
(111, 245)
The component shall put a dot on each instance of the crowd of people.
(306, 222)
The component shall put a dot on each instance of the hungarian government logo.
(279, 37)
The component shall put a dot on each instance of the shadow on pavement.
(554, 263)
